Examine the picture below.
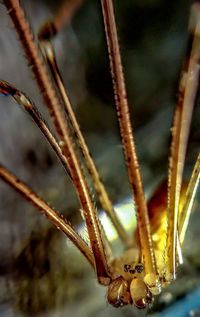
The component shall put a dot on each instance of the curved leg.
(46, 210)
(53, 104)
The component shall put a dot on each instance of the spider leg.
(45, 36)
(21, 99)
(49, 94)
(105, 201)
(48, 31)
(180, 131)
(46, 210)
(185, 212)
(145, 239)
(62, 17)
(189, 200)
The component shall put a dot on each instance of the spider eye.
(118, 294)
(140, 294)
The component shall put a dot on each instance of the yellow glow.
(126, 213)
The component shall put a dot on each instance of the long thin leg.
(180, 131)
(128, 144)
(61, 18)
(184, 214)
(46, 33)
(33, 55)
(46, 210)
(21, 99)
(107, 206)
(189, 200)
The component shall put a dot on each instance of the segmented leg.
(129, 145)
(61, 18)
(105, 201)
(186, 98)
(46, 210)
(22, 100)
(33, 55)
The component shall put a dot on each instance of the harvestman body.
(137, 275)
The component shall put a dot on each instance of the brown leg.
(105, 201)
(128, 143)
(46, 210)
(33, 56)
(186, 98)
(61, 18)
(21, 99)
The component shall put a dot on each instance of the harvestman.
(138, 274)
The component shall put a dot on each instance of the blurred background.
(41, 273)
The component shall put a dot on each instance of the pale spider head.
(122, 292)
